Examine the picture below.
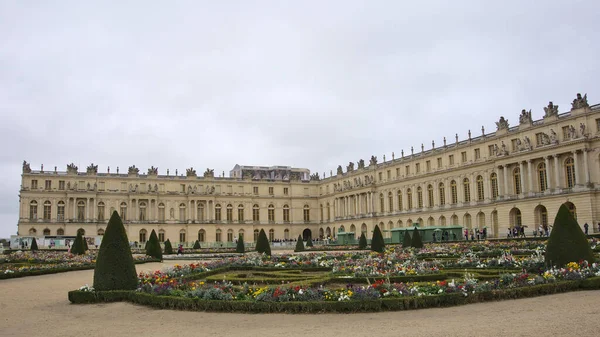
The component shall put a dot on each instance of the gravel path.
(38, 306)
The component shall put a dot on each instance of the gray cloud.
(270, 83)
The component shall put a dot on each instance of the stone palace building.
(517, 175)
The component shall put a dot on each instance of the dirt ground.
(38, 306)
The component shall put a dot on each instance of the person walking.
(585, 228)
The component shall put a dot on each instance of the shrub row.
(387, 304)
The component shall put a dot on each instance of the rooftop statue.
(92, 169)
(361, 164)
(153, 171)
(525, 117)
(209, 173)
(551, 110)
(350, 167)
(373, 160)
(190, 172)
(26, 167)
(580, 102)
(71, 168)
(133, 170)
(340, 170)
(502, 124)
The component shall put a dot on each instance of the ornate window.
(409, 197)
(218, 235)
(306, 213)
(161, 235)
(230, 235)
(467, 189)
(200, 209)
(229, 214)
(286, 234)
(454, 191)
(442, 190)
(182, 212)
(202, 235)
(430, 195)
(494, 181)
(286, 213)
(480, 190)
(271, 213)
(271, 235)
(241, 234)
(256, 231)
(100, 232)
(123, 211)
(101, 211)
(419, 197)
(399, 195)
(517, 180)
(542, 178)
(143, 211)
(255, 213)
(47, 211)
(81, 210)
(32, 231)
(46, 231)
(391, 201)
(60, 232)
(241, 213)
(161, 212)
(381, 203)
(60, 214)
(143, 234)
(182, 235)
(570, 172)
(33, 210)
(218, 212)
(82, 231)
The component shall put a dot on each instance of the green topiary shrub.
(168, 247)
(240, 247)
(153, 246)
(78, 248)
(115, 269)
(309, 242)
(34, 246)
(377, 243)
(197, 244)
(362, 241)
(567, 242)
(299, 245)
(262, 244)
(416, 241)
(407, 242)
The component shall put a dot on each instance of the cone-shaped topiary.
(78, 248)
(34, 246)
(362, 241)
(309, 242)
(240, 247)
(115, 269)
(262, 244)
(168, 247)
(416, 241)
(197, 245)
(567, 242)
(299, 244)
(407, 242)
(153, 246)
(377, 243)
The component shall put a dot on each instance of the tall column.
(74, 209)
(521, 177)
(530, 175)
(548, 177)
(556, 171)
(576, 168)
(586, 171)
(505, 178)
(448, 191)
(487, 193)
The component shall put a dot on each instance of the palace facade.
(516, 176)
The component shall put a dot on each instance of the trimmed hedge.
(57, 270)
(362, 242)
(386, 304)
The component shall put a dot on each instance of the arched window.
(241, 234)
(271, 213)
(271, 235)
(572, 209)
(286, 213)
(353, 228)
(494, 181)
(60, 232)
(60, 216)
(32, 231)
(230, 235)
(218, 212)
(229, 214)
(430, 195)
(391, 201)
(570, 172)
(399, 196)
(218, 235)
(182, 213)
(255, 213)
(419, 197)
(517, 180)
(467, 189)
(454, 192)
(161, 235)
(81, 210)
(123, 211)
(100, 232)
(47, 210)
(442, 191)
(202, 235)
(363, 228)
(142, 207)
(101, 211)
(33, 210)
(161, 212)
(182, 236)
(256, 231)
(381, 203)
(143, 234)
(200, 209)
(81, 230)
(480, 190)
(467, 220)
(430, 222)
(240, 213)
(46, 231)
(409, 198)
(542, 178)
(286, 234)
(306, 213)
(442, 220)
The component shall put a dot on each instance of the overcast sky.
(312, 84)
